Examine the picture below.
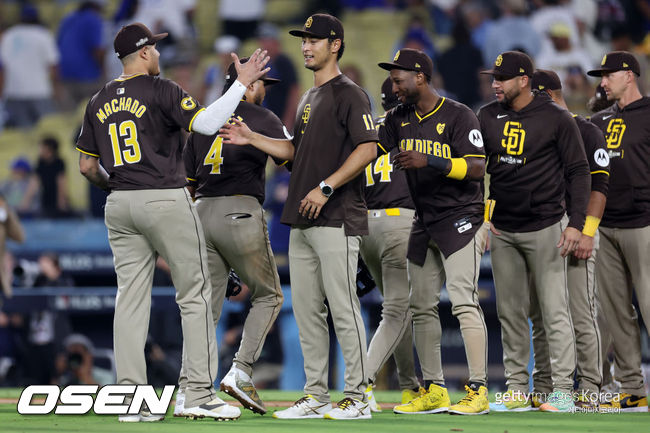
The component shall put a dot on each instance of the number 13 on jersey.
(129, 132)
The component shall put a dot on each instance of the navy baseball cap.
(321, 26)
(410, 59)
(511, 64)
(388, 98)
(133, 37)
(231, 74)
(617, 61)
(544, 79)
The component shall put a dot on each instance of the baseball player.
(580, 267)
(441, 150)
(623, 263)
(383, 250)
(334, 140)
(134, 125)
(532, 146)
(228, 184)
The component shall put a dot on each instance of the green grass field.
(386, 421)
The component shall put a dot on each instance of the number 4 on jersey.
(381, 166)
(213, 157)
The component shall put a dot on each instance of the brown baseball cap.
(133, 37)
(410, 59)
(511, 64)
(544, 79)
(321, 26)
(231, 74)
(617, 61)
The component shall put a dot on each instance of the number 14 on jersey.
(381, 166)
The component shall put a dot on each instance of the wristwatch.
(326, 189)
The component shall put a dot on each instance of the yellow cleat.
(409, 394)
(474, 403)
(435, 400)
(536, 401)
(516, 401)
(624, 402)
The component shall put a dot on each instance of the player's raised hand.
(236, 132)
(253, 69)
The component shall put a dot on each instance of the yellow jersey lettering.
(101, 116)
(140, 112)
(116, 105)
(446, 151)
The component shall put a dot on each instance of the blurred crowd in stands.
(51, 68)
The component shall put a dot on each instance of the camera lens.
(74, 360)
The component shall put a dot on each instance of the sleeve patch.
(601, 157)
(476, 138)
(188, 103)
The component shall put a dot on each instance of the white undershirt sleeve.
(208, 121)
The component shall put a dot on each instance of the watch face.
(327, 190)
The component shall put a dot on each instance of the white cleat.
(239, 385)
(216, 409)
(372, 402)
(350, 408)
(179, 406)
(305, 407)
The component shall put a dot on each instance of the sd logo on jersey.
(514, 138)
(615, 131)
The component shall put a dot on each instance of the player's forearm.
(15, 230)
(579, 189)
(596, 205)
(208, 121)
(276, 147)
(458, 168)
(595, 209)
(355, 164)
(93, 171)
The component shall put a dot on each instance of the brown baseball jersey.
(627, 135)
(530, 153)
(597, 157)
(218, 169)
(449, 209)
(385, 187)
(331, 121)
(130, 124)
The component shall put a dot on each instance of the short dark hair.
(340, 52)
(51, 143)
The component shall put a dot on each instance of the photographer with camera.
(76, 364)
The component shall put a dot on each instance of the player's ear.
(335, 46)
